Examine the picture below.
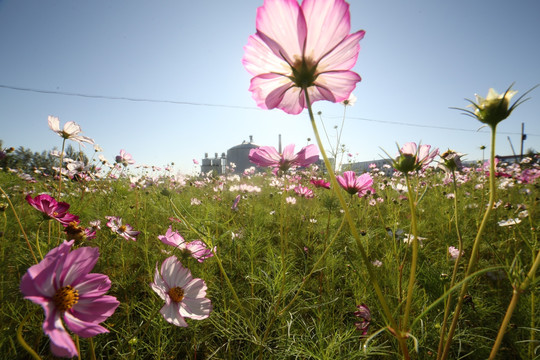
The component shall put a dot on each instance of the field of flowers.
(423, 258)
(263, 263)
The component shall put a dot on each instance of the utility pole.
(523, 138)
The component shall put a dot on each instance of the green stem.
(513, 303)
(414, 260)
(21, 340)
(456, 265)
(60, 169)
(20, 225)
(335, 186)
(37, 240)
(92, 349)
(475, 249)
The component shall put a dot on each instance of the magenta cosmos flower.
(356, 185)
(300, 48)
(184, 296)
(64, 287)
(320, 183)
(124, 230)
(52, 209)
(268, 156)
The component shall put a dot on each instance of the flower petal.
(337, 85)
(83, 328)
(171, 313)
(92, 285)
(260, 59)
(344, 55)
(95, 310)
(284, 23)
(197, 309)
(61, 343)
(54, 124)
(328, 23)
(78, 264)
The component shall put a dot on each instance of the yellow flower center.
(176, 294)
(122, 228)
(65, 298)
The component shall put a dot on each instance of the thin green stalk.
(37, 240)
(475, 249)
(78, 346)
(21, 340)
(60, 169)
(313, 268)
(512, 306)
(283, 245)
(414, 260)
(92, 349)
(382, 301)
(456, 265)
(20, 225)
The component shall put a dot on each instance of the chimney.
(250, 139)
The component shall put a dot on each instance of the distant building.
(363, 166)
(216, 165)
(237, 155)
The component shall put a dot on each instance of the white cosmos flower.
(70, 131)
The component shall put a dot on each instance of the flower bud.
(405, 163)
(494, 108)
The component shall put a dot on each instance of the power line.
(123, 98)
(426, 126)
(65, 93)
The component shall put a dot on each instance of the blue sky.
(418, 59)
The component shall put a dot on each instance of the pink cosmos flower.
(52, 209)
(124, 230)
(320, 183)
(196, 248)
(124, 158)
(414, 158)
(454, 252)
(268, 156)
(70, 131)
(300, 48)
(235, 203)
(354, 185)
(64, 287)
(304, 192)
(172, 238)
(184, 296)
